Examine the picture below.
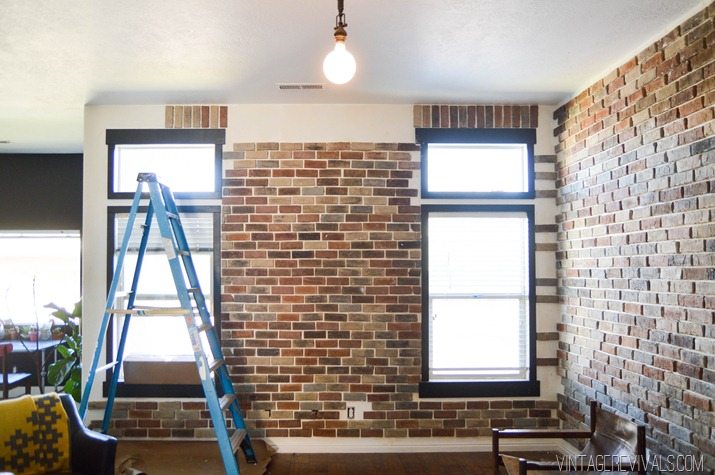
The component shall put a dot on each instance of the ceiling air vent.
(298, 86)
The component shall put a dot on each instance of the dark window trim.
(490, 388)
(477, 136)
(166, 136)
(163, 390)
(432, 389)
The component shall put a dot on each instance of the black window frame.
(482, 388)
(217, 137)
(163, 390)
(481, 201)
(425, 136)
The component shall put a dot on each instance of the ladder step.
(226, 400)
(172, 215)
(151, 311)
(193, 290)
(106, 367)
(236, 439)
(216, 364)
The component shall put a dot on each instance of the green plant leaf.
(57, 372)
(74, 383)
(65, 351)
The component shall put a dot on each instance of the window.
(478, 280)
(170, 162)
(477, 163)
(187, 160)
(37, 268)
(156, 289)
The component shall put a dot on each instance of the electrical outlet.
(355, 410)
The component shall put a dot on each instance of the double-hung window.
(478, 280)
(189, 162)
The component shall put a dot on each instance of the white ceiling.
(58, 55)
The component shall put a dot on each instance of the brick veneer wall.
(472, 116)
(636, 166)
(321, 295)
(195, 117)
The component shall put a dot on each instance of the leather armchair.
(91, 453)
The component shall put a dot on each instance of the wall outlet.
(356, 410)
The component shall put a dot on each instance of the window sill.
(442, 389)
(157, 390)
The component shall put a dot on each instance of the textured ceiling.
(58, 55)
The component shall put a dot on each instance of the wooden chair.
(12, 380)
(614, 443)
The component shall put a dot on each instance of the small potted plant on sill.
(66, 371)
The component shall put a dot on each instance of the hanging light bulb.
(339, 65)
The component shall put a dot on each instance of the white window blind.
(478, 295)
(162, 336)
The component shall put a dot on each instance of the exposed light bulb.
(339, 65)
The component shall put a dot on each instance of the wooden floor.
(382, 464)
(202, 458)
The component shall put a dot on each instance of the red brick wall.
(321, 295)
(636, 239)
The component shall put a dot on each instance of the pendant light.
(339, 64)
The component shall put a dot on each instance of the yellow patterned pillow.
(34, 435)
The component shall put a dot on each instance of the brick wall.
(321, 295)
(636, 166)
(475, 116)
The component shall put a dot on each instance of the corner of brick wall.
(636, 258)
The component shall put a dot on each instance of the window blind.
(478, 295)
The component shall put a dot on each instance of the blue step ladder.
(213, 372)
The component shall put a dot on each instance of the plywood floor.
(202, 458)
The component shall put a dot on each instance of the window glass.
(183, 167)
(478, 286)
(158, 335)
(38, 268)
(477, 168)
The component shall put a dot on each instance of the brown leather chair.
(12, 380)
(614, 444)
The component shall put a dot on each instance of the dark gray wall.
(40, 191)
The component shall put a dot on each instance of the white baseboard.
(302, 445)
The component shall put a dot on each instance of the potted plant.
(66, 371)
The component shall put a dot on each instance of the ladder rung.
(216, 364)
(183, 252)
(151, 311)
(226, 400)
(106, 367)
(172, 215)
(236, 439)
(193, 290)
